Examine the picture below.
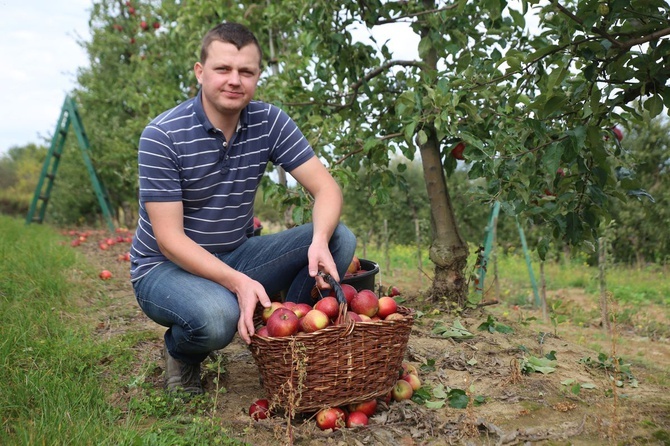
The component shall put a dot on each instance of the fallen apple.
(331, 418)
(402, 390)
(105, 274)
(408, 368)
(259, 409)
(413, 381)
(357, 419)
(367, 407)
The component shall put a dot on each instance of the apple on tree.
(457, 151)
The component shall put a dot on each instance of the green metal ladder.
(68, 115)
(488, 247)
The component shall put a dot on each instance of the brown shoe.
(181, 377)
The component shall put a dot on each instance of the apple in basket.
(283, 322)
(330, 418)
(394, 317)
(328, 305)
(302, 309)
(367, 407)
(263, 331)
(349, 292)
(314, 320)
(387, 305)
(267, 312)
(366, 302)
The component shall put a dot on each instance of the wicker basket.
(338, 365)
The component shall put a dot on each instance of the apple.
(75, 242)
(367, 407)
(118, 27)
(110, 241)
(263, 331)
(366, 302)
(131, 10)
(282, 322)
(393, 291)
(105, 274)
(257, 223)
(330, 418)
(328, 305)
(156, 25)
(259, 409)
(104, 246)
(357, 419)
(413, 381)
(302, 309)
(354, 266)
(457, 151)
(348, 290)
(394, 317)
(290, 305)
(408, 369)
(617, 132)
(267, 311)
(354, 316)
(314, 320)
(387, 305)
(144, 25)
(365, 318)
(402, 390)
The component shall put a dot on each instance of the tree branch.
(640, 40)
(581, 22)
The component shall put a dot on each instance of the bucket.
(365, 278)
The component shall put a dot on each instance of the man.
(195, 268)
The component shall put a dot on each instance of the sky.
(40, 57)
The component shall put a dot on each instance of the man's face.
(228, 77)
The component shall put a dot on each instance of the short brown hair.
(230, 32)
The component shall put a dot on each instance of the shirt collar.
(202, 117)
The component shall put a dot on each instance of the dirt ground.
(518, 408)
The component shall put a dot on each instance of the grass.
(56, 375)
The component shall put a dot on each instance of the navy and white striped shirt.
(182, 157)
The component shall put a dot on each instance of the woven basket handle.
(339, 294)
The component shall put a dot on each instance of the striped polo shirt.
(182, 157)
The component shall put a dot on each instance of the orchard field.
(91, 337)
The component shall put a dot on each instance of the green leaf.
(551, 158)
(654, 105)
(435, 404)
(440, 392)
(458, 399)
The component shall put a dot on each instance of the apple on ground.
(408, 368)
(259, 409)
(366, 302)
(367, 407)
(393, 291)
(267, 311)
(413, 381)
(314, 320)
(330, 418)
(105, 274)
(357, 419)
(283, 322)
(104, 246)
(387, 305)
(328, 305)
(402, 390)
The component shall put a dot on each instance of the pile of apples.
(282, 319)
(355, 414)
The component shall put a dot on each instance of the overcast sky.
(40, 57)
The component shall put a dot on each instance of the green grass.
(56, 375)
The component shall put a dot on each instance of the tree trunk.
(448, 251)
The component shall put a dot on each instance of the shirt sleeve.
(289, 147)
(158, 163)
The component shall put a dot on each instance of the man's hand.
(320, 259)
(249, 293)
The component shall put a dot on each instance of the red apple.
(367, 407)
(302, 309)
(408, 369)
(364, 318)
(290, 305)
(156, 25)
(110, 241)
(457, 151)
(314, 320)
(354, 266)
(282, 322)
(402, 390)
(330, 418)
(355, 316)
(267, 311)
(257, 223)
(393, 291)
(617, 132)
(349, 292)
(75, 242)
(104, 246)
(259, 409)
(357, 419)
(413, 381)
(387, 305)
(144, 25)
(105, 274)
(263, 331)
(366, 302)
(329, 306)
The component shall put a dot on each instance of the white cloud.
(40, 57)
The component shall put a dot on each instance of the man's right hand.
(249, 292)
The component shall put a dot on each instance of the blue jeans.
(202, 315)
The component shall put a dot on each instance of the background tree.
(534, 104)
